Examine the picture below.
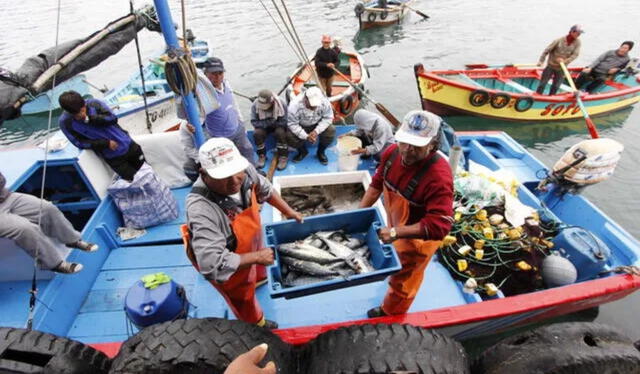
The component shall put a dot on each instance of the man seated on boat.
(326, 59)
(418, 197)
(607, 64)
(269, 115)
(191, 166)
(90, 124)
(223, 220)
(375, 132)
(564, 49)
(19, 217)
(310, 118)
(226, 121)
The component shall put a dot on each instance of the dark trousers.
(324, 139)
(547, 74)
(129, 163)
(260, 136)
(592, 80)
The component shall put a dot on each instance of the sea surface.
(458, 32)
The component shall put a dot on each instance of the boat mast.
(171, 38)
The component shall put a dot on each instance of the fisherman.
(608, 63)
(309, 119)
(226, 121)
(223, 225)
(418, 196)
(90, 124)
(564, 49)
(326, 60)
(191, 166)
(375, 132)
(269, 114)
(19, 217)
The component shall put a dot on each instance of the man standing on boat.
(226, 121)
(608, 63)
(418, 196)
(269, 114)
(564, 49)
(31, 223)
(90, 124)
(375, 132)
(326, 59)
(223, 232)
(310, 119)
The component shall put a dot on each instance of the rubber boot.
(302, 153)
(283, 157)
(321, 156)
(262, 158)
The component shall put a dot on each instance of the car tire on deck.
(24, 351)
(562, 348)
(198, 346)
(381, 349)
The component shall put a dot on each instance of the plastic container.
(347, 161)
(589, 254)
(146, 307)
(360, 222)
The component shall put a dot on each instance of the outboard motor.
(588, 162)
(156, 298)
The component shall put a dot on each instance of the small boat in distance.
(508, 93)
(373, 14)
(344, 98)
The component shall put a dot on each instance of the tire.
(523, 103)
(478, 97)
(381, 349)
(384, 14)
(24, 351)
(346, 104)
(197, 346)
(500, 100)
(371, 17)
(562, 348)
(359, 9)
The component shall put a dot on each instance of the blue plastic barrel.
(146, 307)
(587, 252)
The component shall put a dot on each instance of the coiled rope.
(180, 72)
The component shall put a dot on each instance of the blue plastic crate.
(362, 222)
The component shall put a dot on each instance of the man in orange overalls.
(418, 196)
(223, 226)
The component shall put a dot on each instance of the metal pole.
(454, 158)
(144, 87)
(171, 38)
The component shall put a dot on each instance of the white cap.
(221, 159)
(314, 95)
(418, 128)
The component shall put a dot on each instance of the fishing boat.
(344, 98)
(509, 93)
(371, 14)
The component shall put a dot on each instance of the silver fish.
(354, 243)
(307, 252)
(303, 280)
(307, 267)
(354, 260)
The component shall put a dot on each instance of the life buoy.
(346, 104)
(499, 100)
(371, 17)
(478, 97)
(523, 103)
(384, 14)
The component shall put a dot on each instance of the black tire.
(523, 103)
(359, 9)
(24, 351)
(499, 100)
(382, 349)
(346, 104)
(562, 348)
(197, 346)
(384, 14)
(371, 17)
(478, 97)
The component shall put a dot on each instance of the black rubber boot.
(321, 156)
(283, 157)
(302, 153)
(262, 158)
(376, 312)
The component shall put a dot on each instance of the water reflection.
(378, 36)
(27, 129)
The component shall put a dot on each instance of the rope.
(180, 72)
(282, 32)
(34, 287)
(144, 88)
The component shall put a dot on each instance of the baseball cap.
(264, 100)
(577, 28)
(213, 65)
(314, 95)
(221, 159)
(326, 38)
(418, 128)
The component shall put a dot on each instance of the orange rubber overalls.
(414, 254)
(240, 289)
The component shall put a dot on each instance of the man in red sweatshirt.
(418, 196)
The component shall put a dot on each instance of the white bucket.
(347, 161)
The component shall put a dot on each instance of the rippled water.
(458, 32)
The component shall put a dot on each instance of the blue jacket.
(101, 126)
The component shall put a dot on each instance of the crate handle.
(277, 286)
(387, 250)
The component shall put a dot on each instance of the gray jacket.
(210, 227)
(609, 60)
(373, 127)
(4, 192)
(300, 116)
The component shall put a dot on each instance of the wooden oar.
(485, 66)
(252, 98)
(394, 121)
(417, 11)
(576, 93)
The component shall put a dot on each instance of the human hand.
(612, 71)
(331, 65)
(264, 256)
(191, 128)
(297, 216)
(560, 60)
(313, 136)
(113, 145)
(358, 151)
(247, 363)
(385, 235)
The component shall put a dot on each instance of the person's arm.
(293, 122)
(547, 50)
(598, 60)
(253, 117)
(317, 59)
(370, 197)
(575, 53)
(79, 140)
(282, 120)
(379, 140)
(186, 132)
(235, 102)
(278, 202)
(327, 117)
(247, 363)
(101, 114)
(266, 192)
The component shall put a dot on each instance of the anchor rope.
(295, 51)
(144, 88)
